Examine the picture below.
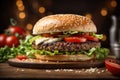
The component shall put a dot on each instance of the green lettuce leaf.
(99, 36)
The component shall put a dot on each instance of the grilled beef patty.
(67, 46)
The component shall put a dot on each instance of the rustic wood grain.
(7, 71)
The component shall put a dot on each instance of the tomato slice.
(21, 57)
(91, 38)
(87, 36)
(113, 66)
(75, 39)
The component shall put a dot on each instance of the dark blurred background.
(27, 12)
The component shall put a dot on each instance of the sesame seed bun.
(64, 22)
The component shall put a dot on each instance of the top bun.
(64, 22)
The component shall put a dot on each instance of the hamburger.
(67, 38)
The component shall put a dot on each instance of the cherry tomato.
(75, 39)
(2, 40)
(113, 66)
(15, 29)
(12, 41)
(91, 38)
(21, 57)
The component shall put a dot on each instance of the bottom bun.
(70, 61)
(79, 57)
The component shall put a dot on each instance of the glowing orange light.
(42, 9)
(19, 3)
(22, 15)
(113, 3)
(29, 26)
(104, 12)
(21, 8)
(88, 15)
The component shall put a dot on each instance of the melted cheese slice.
(52, 40)
(46, 40)
(40, 40)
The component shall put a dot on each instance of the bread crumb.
(17, 69)
(78, 71)
(103, 71)
(48, 70)
(68, 70)
(57, 70)
(98, 72)
(22, 70)
(91, 70)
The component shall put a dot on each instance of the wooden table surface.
(7, 71)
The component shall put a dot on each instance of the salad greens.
(99, 36)
(100, 53)
(25, 48)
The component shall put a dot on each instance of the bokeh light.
(19, 3)
(113, 3)
(22, 15)
(21, 8)
(29, 26)
(42, 9)
(104, 12)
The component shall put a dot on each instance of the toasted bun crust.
(64, 22)
(68, 58)
(71, 61)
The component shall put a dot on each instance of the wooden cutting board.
(34, 63)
